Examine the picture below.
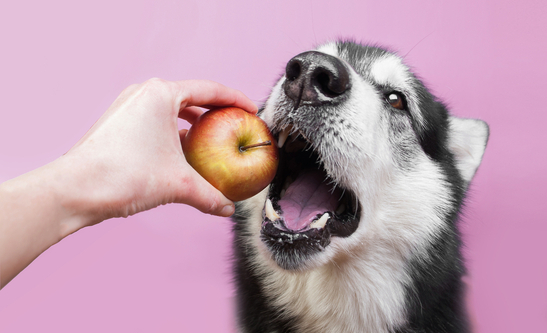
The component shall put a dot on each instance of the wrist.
(49, 192)
(78, 192)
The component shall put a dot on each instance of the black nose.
(315, 78)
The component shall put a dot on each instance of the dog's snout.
(315, 78)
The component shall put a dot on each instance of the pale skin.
(130, 161)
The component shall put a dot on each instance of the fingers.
(190, 113)
(209, 93)
(197, 192)
(182, 136)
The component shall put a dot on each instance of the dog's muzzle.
(305, 206)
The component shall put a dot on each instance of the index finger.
(210, 93)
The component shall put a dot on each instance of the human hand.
(131, 160)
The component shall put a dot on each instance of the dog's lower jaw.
(363, 293)
(372, 292)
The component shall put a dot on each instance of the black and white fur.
(397, 266)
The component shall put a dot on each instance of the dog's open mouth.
(305, 207)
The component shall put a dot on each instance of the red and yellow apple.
(233, 150)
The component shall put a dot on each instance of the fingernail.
(227, 210)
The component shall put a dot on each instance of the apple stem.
(265, 143)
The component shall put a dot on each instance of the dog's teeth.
(283, 136)
(341, 209)
(270, 211)
(318, 224)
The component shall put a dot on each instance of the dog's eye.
(396, 100)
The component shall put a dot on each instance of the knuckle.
(158, 88)
(156, 80)
(154, 84)
(129, 90)
(132, 87)
(186, 186)
(213, 206)
(204, 200)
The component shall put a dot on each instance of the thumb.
(200, 194)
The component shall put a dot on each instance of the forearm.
(35, 213)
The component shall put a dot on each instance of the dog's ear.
(467, 141)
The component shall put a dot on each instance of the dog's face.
(369, 160)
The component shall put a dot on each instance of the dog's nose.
(315, 78)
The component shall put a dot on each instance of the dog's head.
(369, 158)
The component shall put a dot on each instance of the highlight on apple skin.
(233, 150)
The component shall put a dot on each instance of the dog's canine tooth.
(318, 224)
(283, 136)
(270, 211)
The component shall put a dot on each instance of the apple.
(233, 150)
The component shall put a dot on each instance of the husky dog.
(358, 230)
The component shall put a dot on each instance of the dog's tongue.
(308, 196)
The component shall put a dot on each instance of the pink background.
(63, 62)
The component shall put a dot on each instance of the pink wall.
(63, 62)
